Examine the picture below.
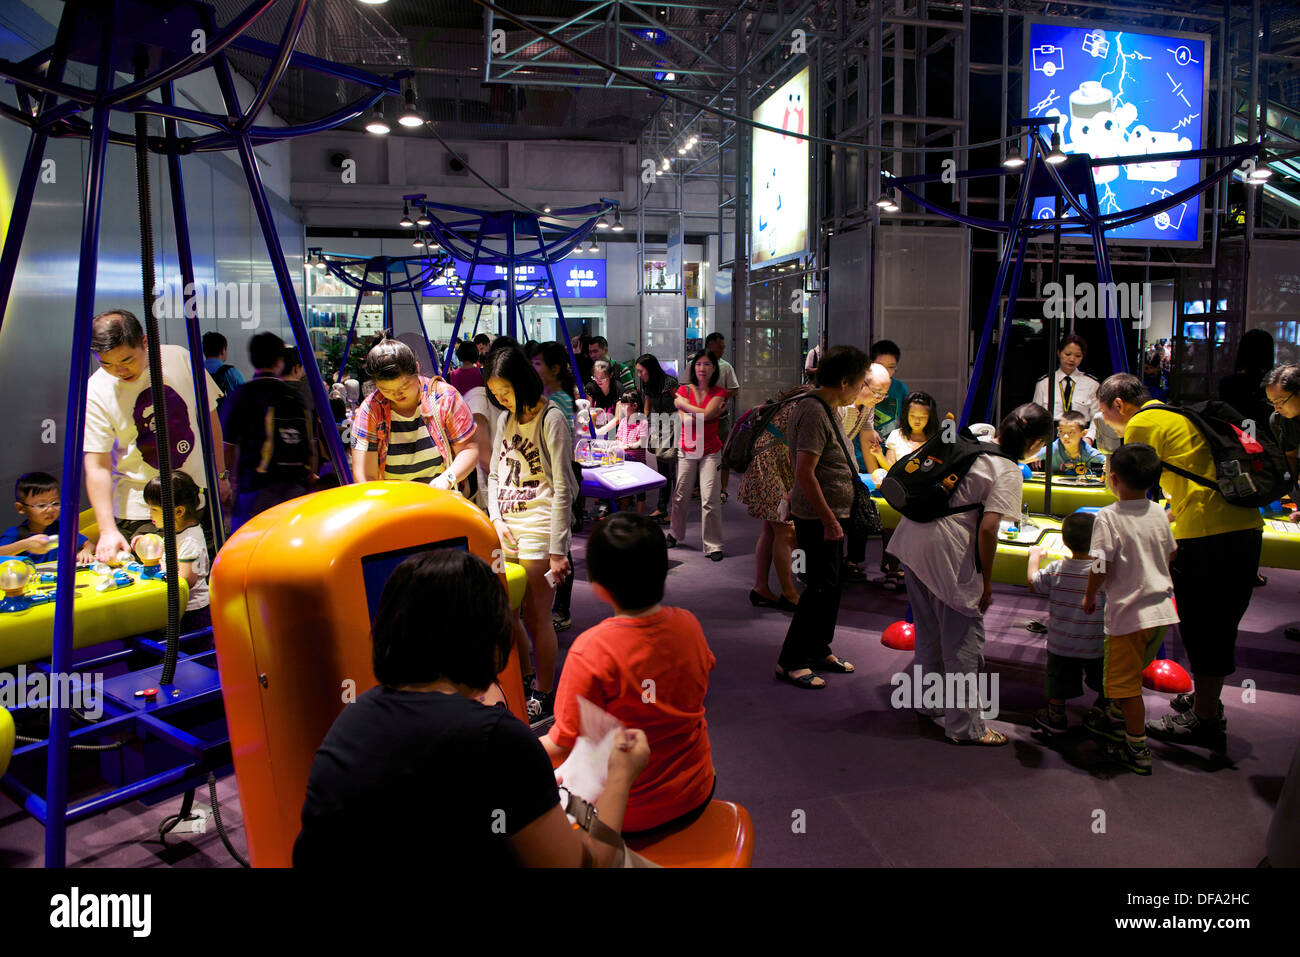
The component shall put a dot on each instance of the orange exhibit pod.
(293, 592)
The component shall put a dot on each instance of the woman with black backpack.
(948, 565)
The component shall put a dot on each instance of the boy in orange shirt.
(648, 666)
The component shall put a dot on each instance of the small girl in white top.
(191, 548)
(921, 422)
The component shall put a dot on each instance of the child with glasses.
(36, 498)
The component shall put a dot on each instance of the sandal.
(991, 739)
(803, 681)
(835, 665)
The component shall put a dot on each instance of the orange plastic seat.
(723, 836)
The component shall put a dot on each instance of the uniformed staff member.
(1074, 389)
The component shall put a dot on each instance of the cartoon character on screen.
(792, 118)
(767, 208)
(1144, 140)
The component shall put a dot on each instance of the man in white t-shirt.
(121, 445)
(716, 344)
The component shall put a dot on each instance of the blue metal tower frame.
(1066, 181)
(109, 35)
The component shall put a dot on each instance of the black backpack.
(920, 485)
(222, 378)
(739, 449)
(287, 436)
(1249, 472)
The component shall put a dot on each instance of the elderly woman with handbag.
(827, 496)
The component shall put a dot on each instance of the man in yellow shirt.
(1217, 562)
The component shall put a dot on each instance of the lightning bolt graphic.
(1186, 121)
(1107, 201)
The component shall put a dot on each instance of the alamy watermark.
(78, 691)
(938, 691)
(1093, 300)
(217, 300)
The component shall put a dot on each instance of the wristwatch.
(585, 816)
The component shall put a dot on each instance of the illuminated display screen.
(1120, 93)
(779, 175)
(378, 568)
(578, 278)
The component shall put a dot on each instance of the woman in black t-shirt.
(658, 394)
(417, 770)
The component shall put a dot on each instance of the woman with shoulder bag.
(530, 492)
(825, 498)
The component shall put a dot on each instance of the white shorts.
(531, 546)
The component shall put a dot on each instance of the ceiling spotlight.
(410, 116)
(618, 221)
(1014, 160)
(1259, 174)
(418, 242)
(681, 151)
(423, 219)
(374, 3)
(406, 217)
(593, 248)
(546, 209)
(602, 223)
(377, 124)
(1056, 157)
(670, 77)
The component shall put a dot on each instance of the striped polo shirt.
(1071, 631)
(412, 456)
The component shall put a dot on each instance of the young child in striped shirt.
(1075, 638)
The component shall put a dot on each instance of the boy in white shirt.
(1133, 547)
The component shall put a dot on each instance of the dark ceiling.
(443, 43)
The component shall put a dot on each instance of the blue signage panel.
(1121, 93)
(578, 278)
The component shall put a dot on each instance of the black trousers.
(667, 467)
(564, 594)
(813, 627)
(1214, 578)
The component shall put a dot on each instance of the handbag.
(864, 517)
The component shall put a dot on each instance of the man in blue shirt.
(214, 360)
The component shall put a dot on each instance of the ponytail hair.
(1025, 425)
(555, 355)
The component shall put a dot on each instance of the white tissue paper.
(584, 770)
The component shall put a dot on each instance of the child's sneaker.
(1137, 760)
(1188, 729)
(541, 709)
(1050, 722)
(1185, 702)
(1108, 724)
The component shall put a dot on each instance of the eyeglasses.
(1281, 404)
(43, 506)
